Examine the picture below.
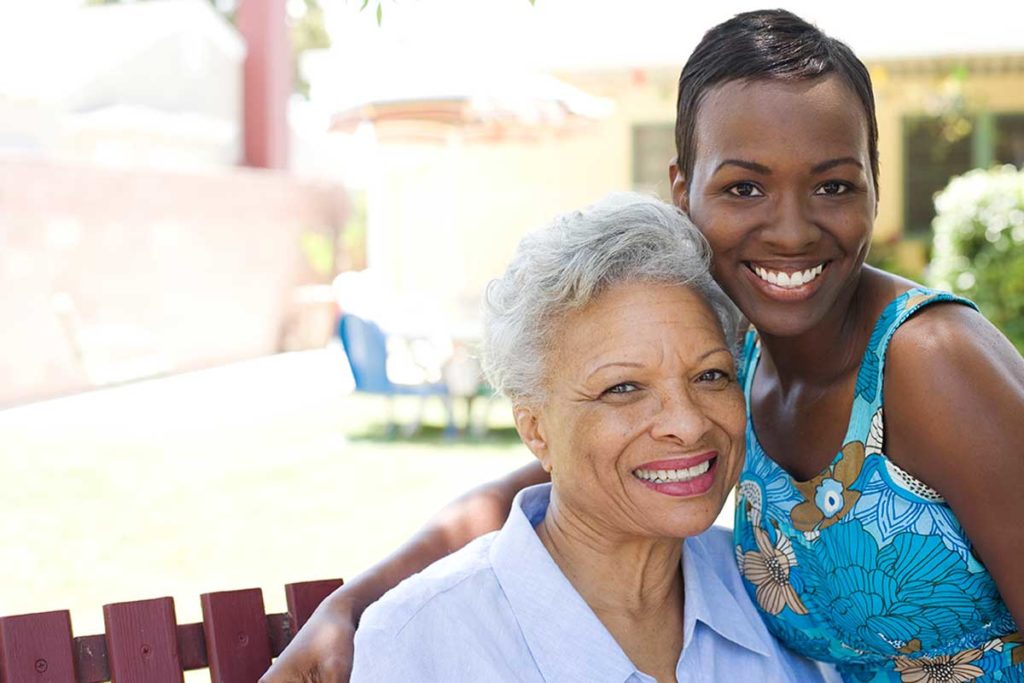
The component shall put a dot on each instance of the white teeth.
(789, 280)
(666, 476)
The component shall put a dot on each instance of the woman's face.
(643, 425)
(782, 188)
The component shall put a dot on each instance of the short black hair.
(766, 45)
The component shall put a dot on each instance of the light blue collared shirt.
(500, 609)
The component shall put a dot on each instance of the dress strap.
(865, 418)
(748, 363)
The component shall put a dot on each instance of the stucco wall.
(116, 266)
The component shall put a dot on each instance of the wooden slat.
(304, 597)
(237, 641)
(91, 659)
(37, 648)
(280, 628)
(192, 647)
(142, 643)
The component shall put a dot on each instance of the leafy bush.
(978, 248)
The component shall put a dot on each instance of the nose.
(791, 229)
(680, 418)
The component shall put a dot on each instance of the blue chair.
(365, 345)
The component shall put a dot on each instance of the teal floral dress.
(865, 566)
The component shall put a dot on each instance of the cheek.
(721, 229)
(599, 435)
(728, 412)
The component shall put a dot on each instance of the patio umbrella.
(426, 103)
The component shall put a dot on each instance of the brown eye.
(714, 377)
(745, 190)
(833, 187)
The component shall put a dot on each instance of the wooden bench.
(144, 643)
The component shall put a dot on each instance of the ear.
(680, 194)
(530, 426)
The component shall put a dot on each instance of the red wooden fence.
(144, 643)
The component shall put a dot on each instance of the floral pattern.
(829, 496)
(942, 669)
(768, 569)
(864, 565)
(880, 599)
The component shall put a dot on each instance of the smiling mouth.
(674, 476)
(787, 279)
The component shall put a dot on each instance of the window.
(936, 150)
(930, 159)
(653, 148)
(1009, 139)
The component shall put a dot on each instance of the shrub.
(978, 248)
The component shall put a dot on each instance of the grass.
(257, 474)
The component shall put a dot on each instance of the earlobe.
(677, 181)
(528, 424)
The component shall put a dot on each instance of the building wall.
(116, 267)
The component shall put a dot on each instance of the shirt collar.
(565, 637)
(567, 640)
(730, 613)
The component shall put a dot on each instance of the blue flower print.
(828, 496)
(887, 512)
(879, 600)
(800, 641)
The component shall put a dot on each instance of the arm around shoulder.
(954, 416)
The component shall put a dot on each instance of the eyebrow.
(628, 364)
(749, 165)
(614, 364)
(832, 163)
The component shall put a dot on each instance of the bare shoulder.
(954, 386)
(944, 338)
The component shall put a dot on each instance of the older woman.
(610, 338)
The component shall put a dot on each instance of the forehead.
(626, 315)
(758, 118)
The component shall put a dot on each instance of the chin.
(697, 519)
(784, 320)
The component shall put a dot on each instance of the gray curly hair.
(625, 237)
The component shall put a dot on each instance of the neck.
(633, 584)
(613, 572)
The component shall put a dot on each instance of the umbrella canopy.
(427, 103)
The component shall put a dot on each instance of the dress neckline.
(755, 361)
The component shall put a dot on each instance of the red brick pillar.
(267, 82)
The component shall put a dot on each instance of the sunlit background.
(195, 194)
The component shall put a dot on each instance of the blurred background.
(243, 245)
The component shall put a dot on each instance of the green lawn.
(258, 474)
